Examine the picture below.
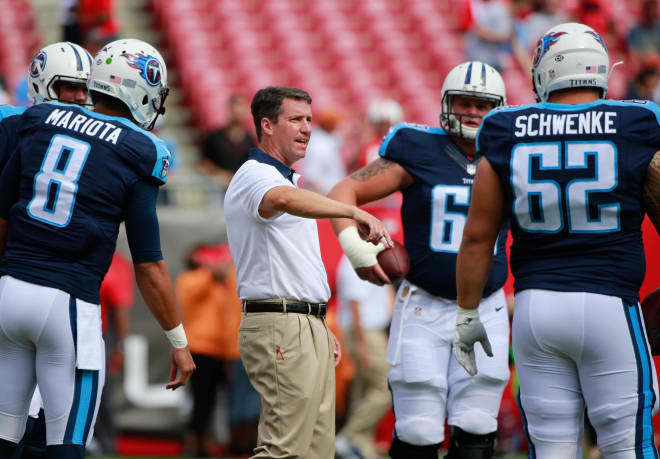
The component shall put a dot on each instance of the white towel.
(90, 351)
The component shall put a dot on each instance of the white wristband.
(177, 337)
(360, 253)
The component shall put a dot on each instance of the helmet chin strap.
(160, 110)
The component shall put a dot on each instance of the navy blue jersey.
(573, 176)
(66, 189)
(9, 121)
(435, 207)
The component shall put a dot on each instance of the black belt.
(313, 309)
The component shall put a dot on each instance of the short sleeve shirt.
(277, 257)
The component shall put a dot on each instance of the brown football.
(394, 261)
(651, 312)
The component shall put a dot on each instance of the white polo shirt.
(277, 257)
(374, 300)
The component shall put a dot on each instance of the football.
(651, 312)
(394, 261)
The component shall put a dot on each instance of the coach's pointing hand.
(371, 229)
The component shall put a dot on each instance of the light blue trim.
(647, 385)
(9, 110)
(415, 127)
(84, 406)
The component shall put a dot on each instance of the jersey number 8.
(539, 203)
(56, 183)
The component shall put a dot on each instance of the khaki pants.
(289, 360)
(369, 396)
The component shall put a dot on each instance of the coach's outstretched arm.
(475, 258)
(651, 192)
(308, 204)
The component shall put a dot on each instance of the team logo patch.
(544, 45)
(148, 66)
(418, 310)
(166, 166)
(38, 64)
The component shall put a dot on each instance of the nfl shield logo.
(471, 169)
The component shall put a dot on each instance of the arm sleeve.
(10, 184)
(142, 224)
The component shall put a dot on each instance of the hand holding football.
(394, 261)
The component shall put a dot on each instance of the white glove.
(469, 330)
(359, 252)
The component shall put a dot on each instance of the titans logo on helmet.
(148, 66)
(598, 38)
(38, 64)
(544, 45)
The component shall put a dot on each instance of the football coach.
(285, 344)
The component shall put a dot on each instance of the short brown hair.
(267, 103)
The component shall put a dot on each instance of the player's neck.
(574, 96)
(468, 147)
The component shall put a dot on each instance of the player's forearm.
(475, 259)
(652, 191)
(343, 192)
(153, 280)
(303, 203)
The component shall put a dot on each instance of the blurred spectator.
(545, 15)
(644, 37)
(117, 297)
(646, 81)
(364, 315)
(212, 314)
(381, 116)
(489, 33)
(322, 167)
(69, 20)
(98, 24)
(225, 149)
(597, 14)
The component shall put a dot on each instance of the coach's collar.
(259, 155)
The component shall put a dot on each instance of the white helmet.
(386, 110)
(135, 73)
(62, 61)
(568, 56)
(472, 79)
